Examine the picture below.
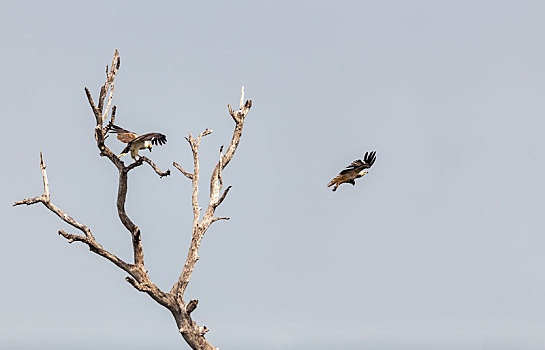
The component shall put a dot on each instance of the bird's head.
(147, 145)
(361, 173)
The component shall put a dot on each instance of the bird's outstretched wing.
(370, 158)
(154, 137)
(123, 135)
(368, 161)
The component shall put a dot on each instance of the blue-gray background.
(441, 246)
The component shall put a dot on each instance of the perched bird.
(136, 142)
(354, 171)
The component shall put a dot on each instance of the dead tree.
(138, 275)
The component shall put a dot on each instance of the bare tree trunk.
(137, 274)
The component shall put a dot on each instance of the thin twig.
(44, 177)
(241, 97)
(179, 167)
(92, 103)
(71, 237)
(220, 218)
(143, 287)
(110, 83)
(223, 196)
(155, 167)
(220, 167)
(45, 197)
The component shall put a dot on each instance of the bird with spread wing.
(137, 142)
(354, 171)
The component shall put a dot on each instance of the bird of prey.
(354, 171)
(137, 142)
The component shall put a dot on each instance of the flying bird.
(137, 142)
(354, 171)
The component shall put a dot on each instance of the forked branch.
(87, 237)
(192, 333)
(216, 184)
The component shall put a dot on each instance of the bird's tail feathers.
(125, 151)
(115, 129)
(336, 181)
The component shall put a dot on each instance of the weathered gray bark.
(138, 275)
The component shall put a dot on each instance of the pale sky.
(440, 246)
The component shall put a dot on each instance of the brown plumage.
(354, 171)
(135, 142)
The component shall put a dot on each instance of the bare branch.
(87, 238)
(100, 136)
(101, 97)
(44, 177)
(143, 287)
(246, 108)
(45, 199)
(133, 165)
(179, 167)
(155, 167)
(116, 62)
(239, 117)
(97, 249)
(138, 251)
(71, 237)
(185, 325)
(68, 219)
(220, 218)
(195, 179)
(223, 196)
(110, 97)
(92, 103)
(100, 132)
(112, 121)
(30, 201)
(100, 115)
(45, 196)
(205, 132)
(216, 182)
(191, 306)
(112, 116)
(220, 167)
(233, 114)
(108, 86)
